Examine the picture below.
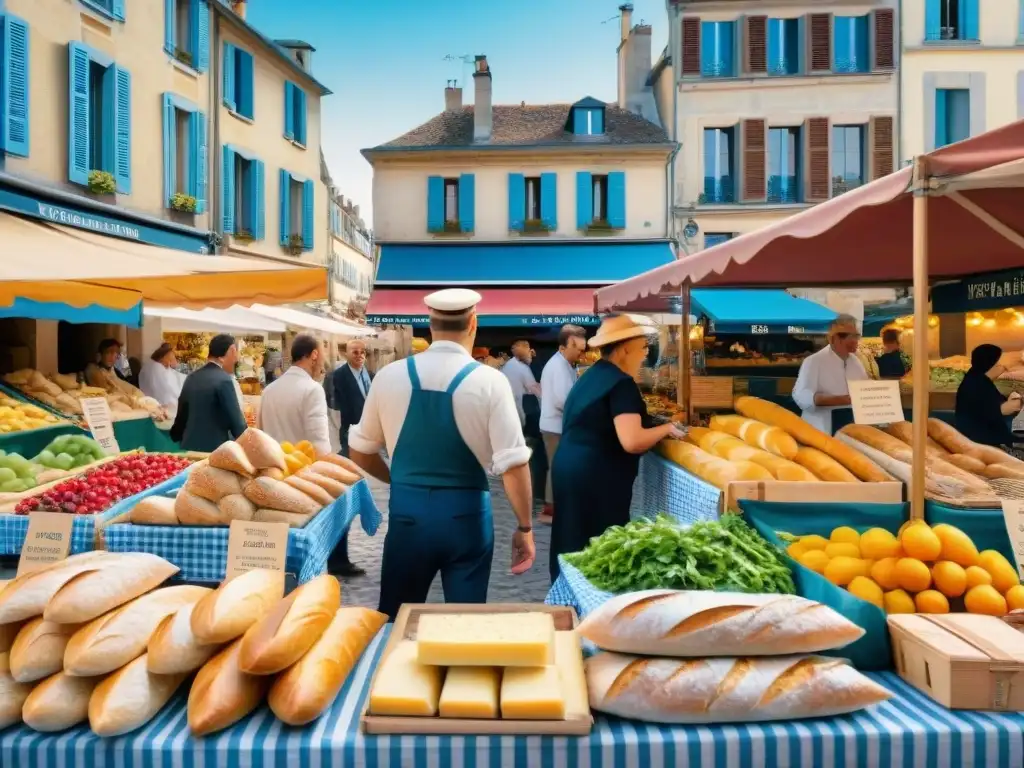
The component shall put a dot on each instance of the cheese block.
(12, 694)
(486, 639)
(532, 693)
(569, 660)
(231, 457)
(470, 692)
(38, 650)
(213, 483)
(263, 451)
(267, 493)
(58, 703)
(154, 510)
(403, 687)
(195, 510)
(130, 698)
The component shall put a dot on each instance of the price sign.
(876, 402)
(48, 541)
(256, 545)
(759, 329)
(1013, 516)
(97, 416)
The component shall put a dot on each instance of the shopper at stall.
(444, 419)
(983, 413)
(209, 413)
(161, 380)
(890, 362)
(822, 386)
(520, 375)
(604, 433)
(294, 407)
(100, 372)
(556, 381)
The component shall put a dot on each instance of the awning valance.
(233, 320)
(760, 312)
(500, 307)
(296, 318)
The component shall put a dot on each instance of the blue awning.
(760, 312)
(91, 313)
(532, 263)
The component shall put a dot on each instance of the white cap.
(452, 300)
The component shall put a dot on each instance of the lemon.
(985, 600)
(878, 543)
(836, 549)
(950, 579)
(1003, 574)
(842, 570)
(956, 545)
(844, 535)
(921, 542)
(976, 575)
(1015, 598)
(883, 573)
(813, 541)
(913, 575)
(795, 549)
(866, 589)
(931, 601)
(814, 559)
(898, 601)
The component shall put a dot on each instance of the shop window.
(719, 150)
(296, 212)
(294, 113)
(783, 165)
(244, 194)
(99, 138)
(14, 98)
(848, 167)
(238, 81)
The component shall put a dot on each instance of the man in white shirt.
(823, 383)
(445, 420)
(520, 375)
(557, 378)
(294, 407)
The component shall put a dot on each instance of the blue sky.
(384, 60)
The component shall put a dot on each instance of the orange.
(1003, 574)
(931, 601)
(977, 575)
(913, 575)
(842, 570)
(878, 543)
(950, 579)
(796, 549)
(921, 543)
(813, 541)
(836, 549)
(844, 534)
(814, 559)
(1015, 598)
(866, 589)
(956, 545)
(898, 601)
(984, 599)
(883, 573)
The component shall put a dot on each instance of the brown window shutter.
(754, 136)
(816, 153)
(880, 139)
(885, 38)
(757, 44)
(691, 46)
(820, 42)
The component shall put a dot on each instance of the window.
(296, 212)
(294, 113)
(99, 139)
(850, 44)
(243, 191)
(711, 239)
(532, 203)
(185, 155)
(847, 157)
(451, 203)
(112, 8)
(719, 150)
(783, 46)
(187, 32)
(244, 219)
(14, 63)
(600, 200)
(952, 115)
(717, 45)
(588, 121)
(950, 20)
(783, 165)
(533, 198)
(238, 81)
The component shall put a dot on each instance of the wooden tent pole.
(683, 394)
(921, 369)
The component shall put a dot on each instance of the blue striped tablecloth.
(662, 486)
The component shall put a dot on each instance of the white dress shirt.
(161, 383)
(523, 382)
(556, 380)
(485, 412)
(825, 373)
(294, 408)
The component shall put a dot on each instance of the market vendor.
(890, 362)
(983, 413)
(444, 419)
(100, 372)
(822, 386)
(161, 380)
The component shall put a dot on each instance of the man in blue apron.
(445, 420)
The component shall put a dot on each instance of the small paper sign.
(256, 545)
(97, 416)
(876, 402)
(1013, 515)
(711, 392)
(48, 540)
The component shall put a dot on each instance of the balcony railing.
(717, 191)
(782, 189)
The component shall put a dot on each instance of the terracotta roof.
(527, 126)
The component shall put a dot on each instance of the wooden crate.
(817, 492)
(405, 627)
(962, 660)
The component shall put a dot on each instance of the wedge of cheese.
(532, 693)
(404, 687)
(569, 661)
(486, 639)
(471, 692)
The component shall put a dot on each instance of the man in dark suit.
(350, 384)
(209, 412)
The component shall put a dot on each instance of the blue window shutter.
(802, 45)
(516, 201)
(201, 33)
(170, 150)
(169, 26)
(549, 200)
(78, 114)
(941, 119)
(300, 123)
(841, 50)
(228, 190)
(617, 199)
(932, 19)
(246, 87)
(969, 19)
(258, 190)
(289, 110)
(435, 204)
(14, 86)
(229, 76)
(117, 9)
(284, 199)
(308, 207)
(467, 202)
(584, 199)
(123, 130)
(200, 153)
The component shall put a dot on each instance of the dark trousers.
(339, 557)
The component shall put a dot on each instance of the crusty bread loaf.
(38, 650)
(303, 691)
(876, 438)
(130, 698)
(113, 640)
(7, 634)
(783, 469)
(267, 493)
(343, 462)
(236, 605)
(823, 466)
(966, 463)
(173, 647)
(236, 507)
(771, 439)
(1003, 470)
(272, 472)
(154, 510)
(904, 432)
(335, 472)
(290, 628)
(315, 491)
(231, 457)
(277, 516)
(263, 451)
(333, 488)
(93, 593)
(667, 622)
(12, 694)
(726, 690)
(58, 703)
(222, 694)
(195, 510)
(26, 596)
(718, 472)
(720, 444)
(777, 416)
(731, 448)
(213, 483)
(954, 442)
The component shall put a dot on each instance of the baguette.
(267, 493)
(231, 457)
(38, 650)
(236, 507)
(302, 692)
(954, 442)
(113, 640)
(666, 622)
(904, 431)
(718, 472)
(743, 690)
(222, 694)
(900, 468)
(263, 451)
(823, 466)
(292, 626)
(154, 510)
(8, 632)
(783, 469)
(272, 472)
(335, 472)
(12, 694)
(93, 593)
(58, 703)
(213, 483)
(173, 647)
(343, 462)
(1011, 471)
(195, 510)
(26, 596)
(966, 463)
(315, 491)
(130, 698)
(334, 488)
(733, 449)
(777, 416)
(236, 605)
(770, 439)
(277, 516)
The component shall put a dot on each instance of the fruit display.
(70, 451)
(17, 474)
(63, 392)
(919, 569)
(100, 488)
(16, 416)
(298, 456)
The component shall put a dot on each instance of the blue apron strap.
(468, 369)
(413, 376)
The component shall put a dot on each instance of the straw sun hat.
(620, 328)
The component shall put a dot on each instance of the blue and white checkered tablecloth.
(662, 486)
(201, 552)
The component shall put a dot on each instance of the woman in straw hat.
(604, 433)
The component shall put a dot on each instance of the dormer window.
(586, 118)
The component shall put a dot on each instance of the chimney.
(452, 97)
(625, 21)
(624, 50)
(238, 6)
(482, 111)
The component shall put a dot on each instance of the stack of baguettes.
(715, 657)
(246, 479)
(96, 639)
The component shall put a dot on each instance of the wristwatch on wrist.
(525, 529)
